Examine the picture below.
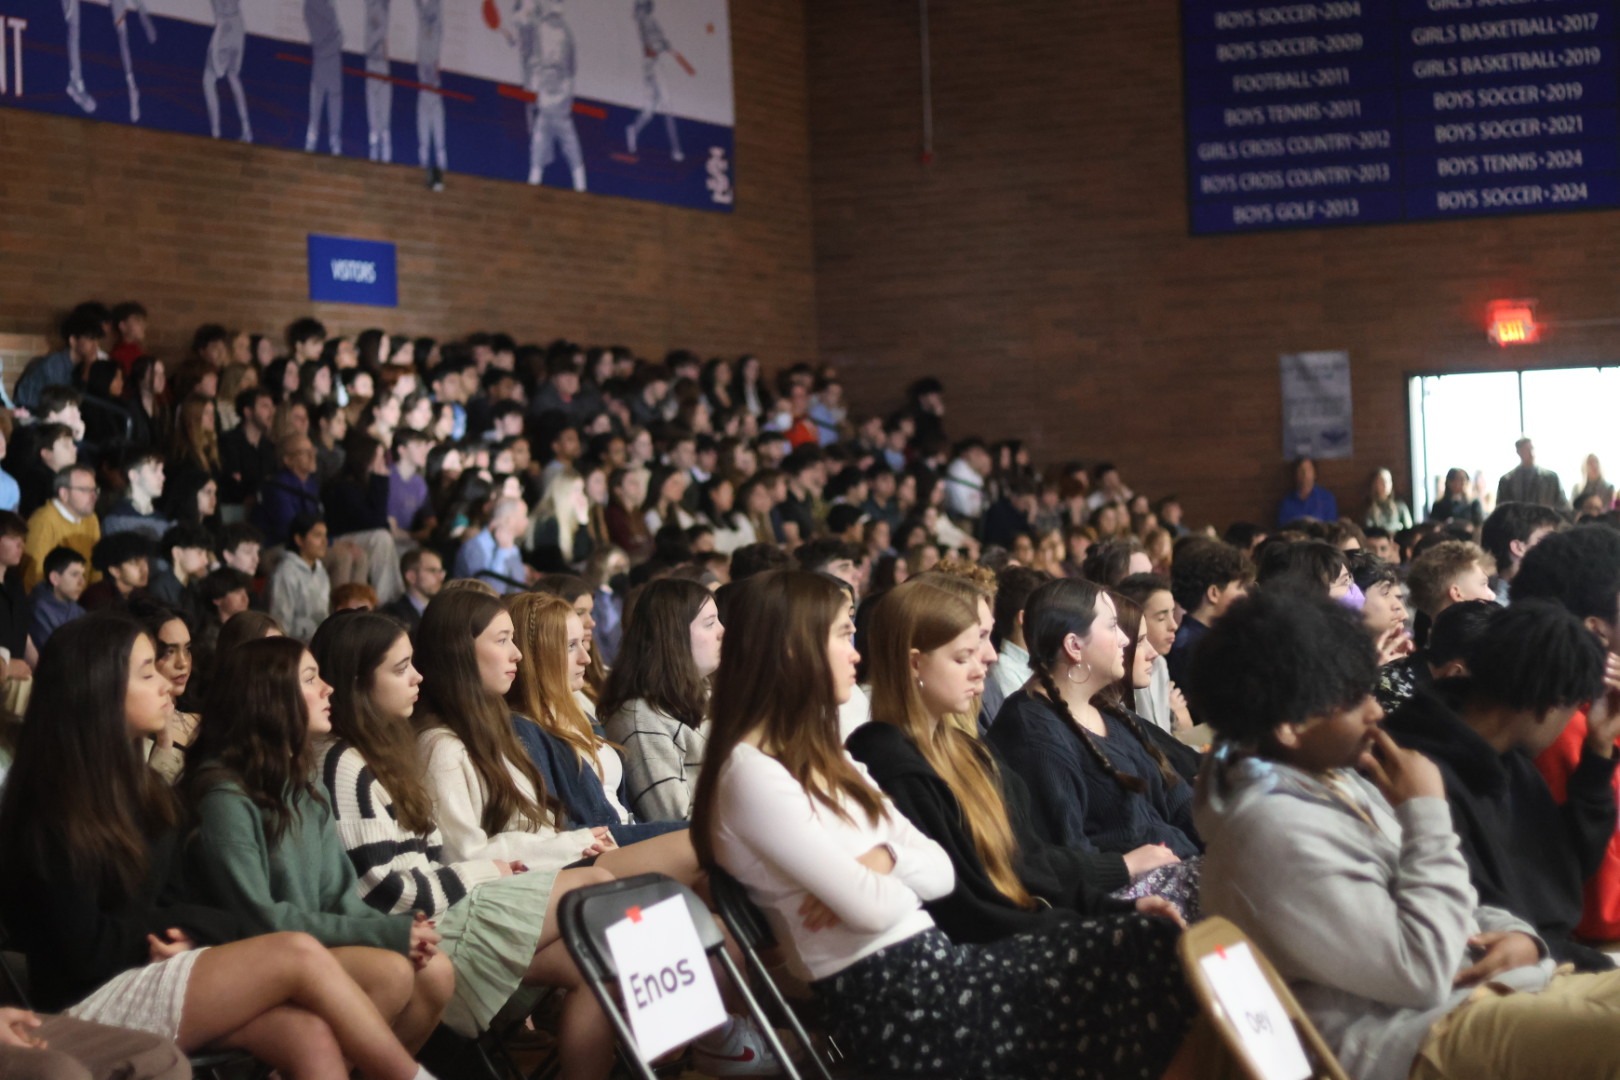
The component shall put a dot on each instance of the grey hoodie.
(1369, 926)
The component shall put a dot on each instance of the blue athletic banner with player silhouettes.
(617, 97)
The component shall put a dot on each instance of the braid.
(1128, 718)
(1133, 784)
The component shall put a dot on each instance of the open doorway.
(1471, 420)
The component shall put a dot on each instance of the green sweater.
(304, 882)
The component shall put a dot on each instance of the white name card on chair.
(1256, 1013)
(664, 977)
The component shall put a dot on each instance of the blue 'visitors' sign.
(346, 271)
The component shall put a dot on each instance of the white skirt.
(149, 998)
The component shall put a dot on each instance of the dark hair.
(80, 323)
(1140, 587)
(1580, 569)
(454, 697)
(751, 559)
(59, 559)
(242, 628)
(250, 397)
(126, 310)
(56, 398)
(777, 677)
(218, 584)
(820, 554)
(120, 548)
(301, 330)
(1368, 570)
(186, 535)
(1241, 534)
(1536, 656)
(1311, 565)
(47, 435)
(1107, 563)
(1279, 658)
(1456, 628)
(206, 334)
(655, 662)
(235, 535)
(1198, 566)
(1013, 588)
(1057, 609)
(255, 731)
(12, 524)
(80, 788)
(350, 647)
(301, 524)
(1512, 521)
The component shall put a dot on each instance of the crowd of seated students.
(350, 677)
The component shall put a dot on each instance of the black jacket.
(76, 938)
(402, 609)
(976, 911)
(353, 507)
(1526, 854)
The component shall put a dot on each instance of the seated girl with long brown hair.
(496, 918)
(92, 885)
(657, 695)
(265, 846)
(489, 798)
(925, 667)
(843, 876)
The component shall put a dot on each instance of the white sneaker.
(739, 1050)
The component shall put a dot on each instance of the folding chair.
(586, 914)
(1213, 934)
(752, 932)
(207, 1065)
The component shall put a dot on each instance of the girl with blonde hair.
(950, 785)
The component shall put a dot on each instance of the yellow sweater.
(48, 530)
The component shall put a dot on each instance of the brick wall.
(1042, 265)
(204, 231)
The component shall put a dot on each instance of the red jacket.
(1600, 918)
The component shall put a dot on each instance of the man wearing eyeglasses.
(68, 520)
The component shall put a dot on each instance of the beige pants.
(1569, 1031)
(80, 1050)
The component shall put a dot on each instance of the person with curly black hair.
(1333, 848)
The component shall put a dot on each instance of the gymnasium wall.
(1042, 264)
(205, 231)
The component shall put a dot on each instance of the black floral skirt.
(1095, 997)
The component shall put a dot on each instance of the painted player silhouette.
(120, 13)
(224, 61)
(546, 48)
(654, 44)
(429, 104)
(326, 74)
(379, 91)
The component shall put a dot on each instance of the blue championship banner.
(618, 97)
(1346, 112)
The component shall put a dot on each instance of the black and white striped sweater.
(399, 871)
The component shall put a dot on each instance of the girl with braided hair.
(1094, 783)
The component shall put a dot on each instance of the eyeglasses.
(86, 490)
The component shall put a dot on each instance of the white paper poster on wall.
(1317, 420)
(618, 97)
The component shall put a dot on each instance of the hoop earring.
(1076, 667)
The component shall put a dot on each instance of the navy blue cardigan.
(1074, 802)
(576, 785)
